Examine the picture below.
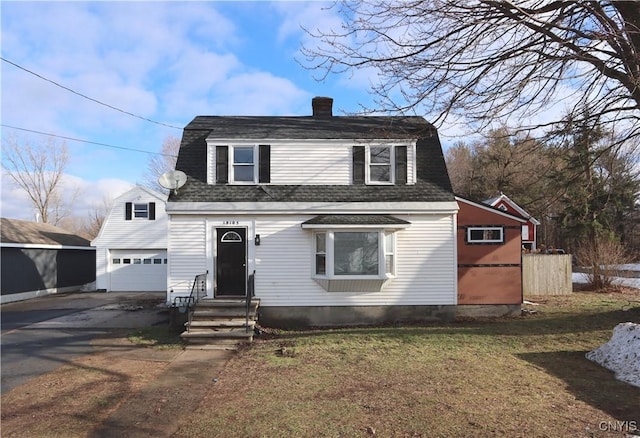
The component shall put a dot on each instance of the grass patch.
(160, 337)
(523, 376)
(519, 377)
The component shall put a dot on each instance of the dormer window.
(243, 164)
(380, 164)
(243, 168)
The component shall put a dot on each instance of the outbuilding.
(39, 259)
(489, 242)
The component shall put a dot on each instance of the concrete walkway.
(156, 411)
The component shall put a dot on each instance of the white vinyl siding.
(188, 254)
(102, 268)
(309, 163)
(117, 232)
(425, 263)
(302, 164)
(425, 266)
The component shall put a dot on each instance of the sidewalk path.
(157, 410)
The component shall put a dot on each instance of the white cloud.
(165, 61)
(83, 195)
(258, 93)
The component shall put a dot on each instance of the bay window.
(362, 254)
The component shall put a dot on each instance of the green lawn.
(515, 377)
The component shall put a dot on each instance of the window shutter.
(152, 211)
(264, 159)
(358, 164)
(401, 164)
(128, 208)
(222, 164)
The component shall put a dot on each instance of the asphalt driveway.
(41, 334)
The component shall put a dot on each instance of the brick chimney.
(322, 106)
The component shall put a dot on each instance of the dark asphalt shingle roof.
(25, 232)
(356, 219)
(432, 185)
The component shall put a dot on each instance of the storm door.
(231, 262)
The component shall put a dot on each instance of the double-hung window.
(362, 254)
(242, 163)
(243, 167)
(380, 164)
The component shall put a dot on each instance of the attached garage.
(138, 270)
(131, 248)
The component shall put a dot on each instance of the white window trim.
(392, 252)
(480, 228)
(329, 254)
(392, 164)
(231, 164)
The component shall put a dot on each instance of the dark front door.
(231, 262)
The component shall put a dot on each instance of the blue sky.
(163, 61)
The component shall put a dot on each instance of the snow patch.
(621, 354)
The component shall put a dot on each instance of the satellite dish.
(172, 180)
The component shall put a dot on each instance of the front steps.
(220, 324)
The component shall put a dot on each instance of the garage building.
(39, 259)
(131, 248)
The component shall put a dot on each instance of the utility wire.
(86, 141)
(87, 97)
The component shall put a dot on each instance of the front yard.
(520, 377)
(514, 377)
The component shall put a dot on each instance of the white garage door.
(141, 270)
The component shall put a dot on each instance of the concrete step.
(222, 312)
(226, 334)
(221, 323)
(208, 346)
(255, 302)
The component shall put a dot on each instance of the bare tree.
(38, 170)
(460, 159)
(161, 163)
(89, 226)
(97, 216)
(486, 60)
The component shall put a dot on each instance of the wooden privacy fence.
(546, 274)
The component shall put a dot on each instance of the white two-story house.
(338, 219)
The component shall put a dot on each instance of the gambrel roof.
(432, 184)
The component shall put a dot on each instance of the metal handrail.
(198, 290)
(251, 284)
